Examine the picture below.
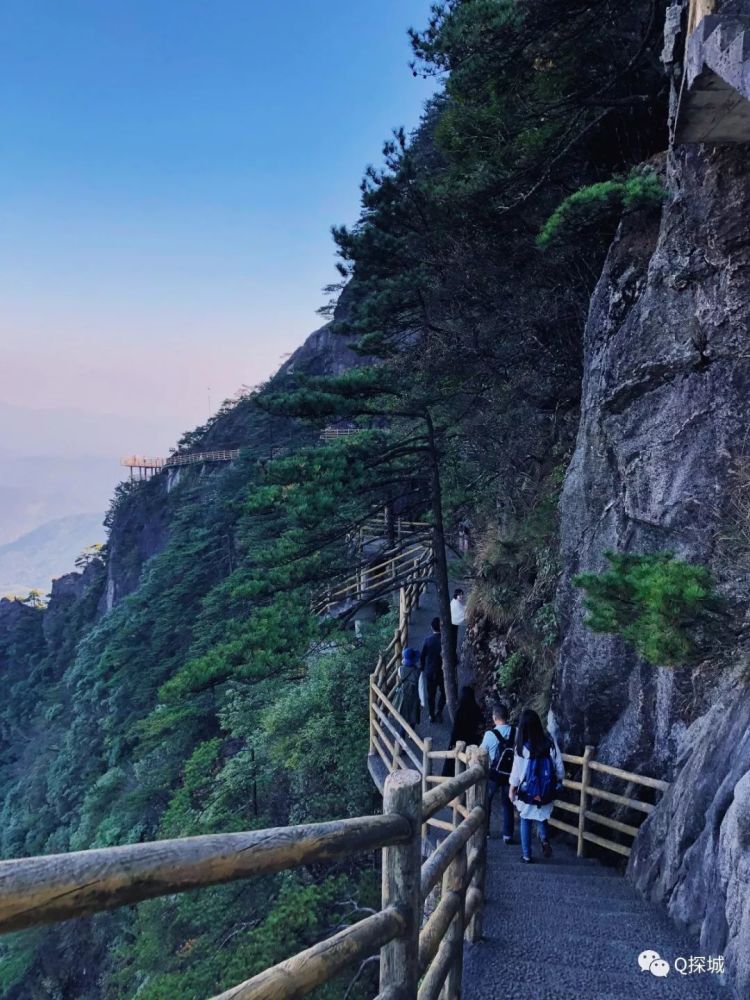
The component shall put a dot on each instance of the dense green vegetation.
(658, 602)
(601, 205)
(210, 698)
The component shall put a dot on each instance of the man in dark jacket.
(431, 661)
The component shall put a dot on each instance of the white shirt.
(458, 611)
(527, 810)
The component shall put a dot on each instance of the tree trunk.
(442, 584)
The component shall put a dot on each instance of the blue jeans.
(493, 789)
(542, 831)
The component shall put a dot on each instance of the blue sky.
(169, 172)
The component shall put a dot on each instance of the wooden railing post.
(477, 796)
(400, 628)
(371, 714)
(587, 754)
(399, 960)
(460, 768)
(426, 765)
(454, 881)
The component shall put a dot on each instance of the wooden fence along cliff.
(431, 835)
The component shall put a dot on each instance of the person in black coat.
(431, 661)
(467, 725)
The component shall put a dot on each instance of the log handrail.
(39, 890)
(416, 556)
(57, 887)
(383, 680)
(311, 968)
(53, 888)
(180, 458)
(588, 791)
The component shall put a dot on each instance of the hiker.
(464, 537)
(537, 773)
(458, 616)
(431, 661)
(467, 726)
(499, 742)
(406, 693)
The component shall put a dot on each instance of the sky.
(169, 172)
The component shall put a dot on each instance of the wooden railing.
(334, 433)
(411, 559)
(180, 458)
(398, 745)
(432, 835)
(42, 890)
(379, 525)
(587, 791)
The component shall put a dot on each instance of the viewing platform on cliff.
(144, 467)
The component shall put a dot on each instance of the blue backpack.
(539, 785)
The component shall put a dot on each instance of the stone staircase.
(572, 929)
(714, 105)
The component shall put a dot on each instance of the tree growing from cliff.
(396, 462)
(600, 205)
(664, 606)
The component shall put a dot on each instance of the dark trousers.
(493, 789)
(435, 684)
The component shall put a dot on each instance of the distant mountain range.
(34, 560)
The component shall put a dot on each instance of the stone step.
(510, 856)
(514, 975)
(530, 943)
(513, 869)
(633, 922)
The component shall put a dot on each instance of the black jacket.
(432, 656)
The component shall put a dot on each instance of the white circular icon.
(659, 968)
(646, 958)
(651, 961)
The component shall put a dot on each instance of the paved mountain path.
(419, 629)
(570, 929)
(563, 928)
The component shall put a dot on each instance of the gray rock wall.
(664, 415)
(666, 397)
(693, 854)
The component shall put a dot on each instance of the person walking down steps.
(431, 660)
(499, 742)
(458, 618)
(406, 694)
(537, 774)
(467, 726)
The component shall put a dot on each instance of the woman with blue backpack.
(537, 775)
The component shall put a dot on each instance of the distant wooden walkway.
(148, 466)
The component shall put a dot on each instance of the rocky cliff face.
(141, 528)
(658, 465)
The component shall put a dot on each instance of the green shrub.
(602, 202)
(510, 670)
(546, 625)
(659, 603)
